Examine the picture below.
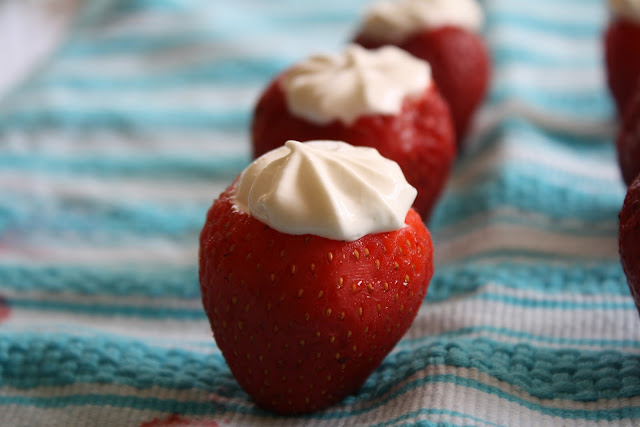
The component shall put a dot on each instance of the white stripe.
(567, 81)
(188, 334)
(151, 252)
(569, 13)
(162, 143)
(514, 237)
(188, 98)
(116, 189)
(489, 117)
(549, 324)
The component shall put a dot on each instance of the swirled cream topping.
(326, 188)
(395, 20)
(628, 9)
(354, 83)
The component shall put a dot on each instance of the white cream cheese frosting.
(394, 20)
(353, 83)
(325, 188)
(628, 9)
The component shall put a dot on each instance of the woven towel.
(112, 150)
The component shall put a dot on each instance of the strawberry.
(420, 138)
(460, 65)
(303, 320)
(628, 141)
(622, 56)
(629, 239)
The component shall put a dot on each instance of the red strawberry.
(420, 138)
(460, 65)
(629, 239)
(303, 320)
(628, 142)
(622, 55)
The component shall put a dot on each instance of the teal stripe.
(161, 282)
(572, 26)
(507, 186)
(103, 222)
(136, 6)
(598, 278)
(503, 54)
(494, 4)
(123, 119)
(138, 44)
(543, 276)
(565, 374)
(159, 311)
(555, 305)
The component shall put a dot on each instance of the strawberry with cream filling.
(383, 98)
(312, 267)
(445, 33)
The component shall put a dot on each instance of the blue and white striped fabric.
(112, 151)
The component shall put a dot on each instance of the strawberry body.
(460, 65)
(629, 239)
(303, 320)
(622, 56)
(420, 138)
(628, 141)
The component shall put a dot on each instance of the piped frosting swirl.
(325, 188)
(354, 83)
(394, 20)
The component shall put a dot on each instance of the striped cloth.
(114, 148)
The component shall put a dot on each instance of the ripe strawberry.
(629, 239)
(460, 65)
(303, 320)
(628, 142)
(420, 138)
(622, 56)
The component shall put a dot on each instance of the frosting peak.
(393, 21)
(326, 188)
(353, 83)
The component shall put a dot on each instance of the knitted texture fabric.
(115, 146)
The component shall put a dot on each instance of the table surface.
(114, 147)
